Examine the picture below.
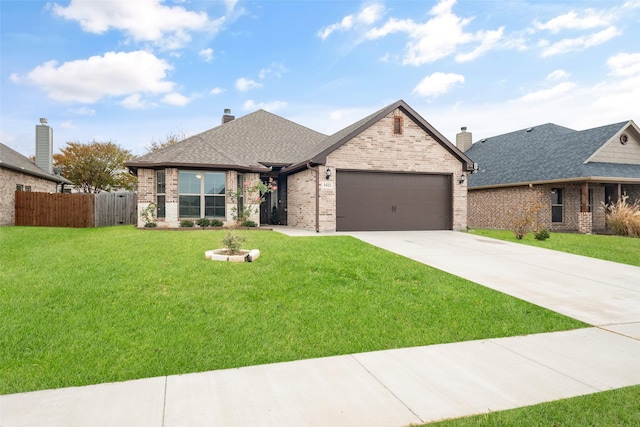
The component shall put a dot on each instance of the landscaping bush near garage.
(611, 248)
(85, 306)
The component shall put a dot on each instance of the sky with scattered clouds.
(137, 71)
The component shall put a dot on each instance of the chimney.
(464, 139)
(227, 117)
(44, 146)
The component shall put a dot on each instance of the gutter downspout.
(317, 173)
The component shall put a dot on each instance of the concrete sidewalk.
(383, 388)
(403, 386)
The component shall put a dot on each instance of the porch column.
(585, 219)
(584, 206)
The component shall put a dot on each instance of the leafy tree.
(95, 167)
(170, 139)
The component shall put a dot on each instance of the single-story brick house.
(18, 173)
(389, 171)
(570, 174)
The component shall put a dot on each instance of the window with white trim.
(201, 194)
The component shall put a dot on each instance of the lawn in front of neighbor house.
(625, 250)
(85, 306)
(619, 408)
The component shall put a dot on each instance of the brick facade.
(379, 149)
(9, 179)
(311, 198)
(147, 193)
(301, 199)
(493, 208)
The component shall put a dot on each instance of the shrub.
(622, 218)
(233, 242)
(215, 223)
(275, 216)
(148, 215)
(542, 234)
(522, 219)
(186, 223)
(203, 222)
(248, 223)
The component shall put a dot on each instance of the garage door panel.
(392, 201)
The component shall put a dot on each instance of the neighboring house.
(18, 173)
(569, 174)
(389, 171)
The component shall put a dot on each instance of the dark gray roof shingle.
(13, 160)
(543, 153)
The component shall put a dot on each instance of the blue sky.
(135, 71)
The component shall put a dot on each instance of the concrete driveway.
(596, 292)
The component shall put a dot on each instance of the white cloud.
(216, 91)
(206, 54)
(272, 106)
(547, 94)
(572, 20)
(275, 69)
(176, 99)
(439, 36)
(243, 84)
(488, 40)
(133, 102)
(142, 20)
(368, 15)
(438, 84)
(580, 43)
(112, 75)
(557, 75)
(625, 64)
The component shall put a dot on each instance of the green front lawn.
(620, 407)
(621, 249)
(84, 306)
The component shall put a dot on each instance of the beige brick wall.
(378, 149)
(494, 208)
(147, 194)
(301, 203)
(8, 181)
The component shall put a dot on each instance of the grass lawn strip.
(86, 306)
(620, 407)
(625, 250)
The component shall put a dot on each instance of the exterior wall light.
(328, 173)
(461, 180)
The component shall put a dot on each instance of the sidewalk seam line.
(537, 362)
(353, 356)
(164, 401)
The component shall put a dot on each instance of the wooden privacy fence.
(78, 210)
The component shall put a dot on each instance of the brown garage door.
(392, 201)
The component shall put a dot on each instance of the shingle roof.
(544, 153)
(262, 138)
(248, 142)
(13, 160)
